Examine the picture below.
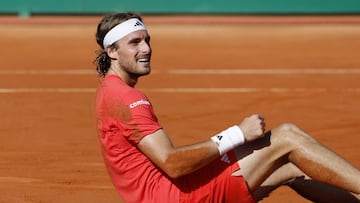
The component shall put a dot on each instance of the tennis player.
(242, 163)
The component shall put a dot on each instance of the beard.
(137, 70)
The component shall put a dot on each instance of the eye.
(135, 41)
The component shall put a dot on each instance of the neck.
(130, 80)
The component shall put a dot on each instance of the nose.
(145, 47)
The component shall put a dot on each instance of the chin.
(147, 72)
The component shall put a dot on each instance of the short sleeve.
(143, 120)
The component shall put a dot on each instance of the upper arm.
(157, 147)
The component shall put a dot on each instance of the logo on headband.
(122, 29)
(138, 23)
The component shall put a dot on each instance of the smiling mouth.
(145, 60)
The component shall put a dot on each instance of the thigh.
(260, 158)
(286, 174)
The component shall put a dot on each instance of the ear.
(112, 52)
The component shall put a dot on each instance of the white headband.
(121, 30)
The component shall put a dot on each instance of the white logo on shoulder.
(140, 102)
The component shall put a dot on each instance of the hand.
(253, 127)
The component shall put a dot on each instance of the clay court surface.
(208, 73)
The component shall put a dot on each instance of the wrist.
(229, 139)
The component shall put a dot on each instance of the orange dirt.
(49, 150)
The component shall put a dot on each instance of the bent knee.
(290, 129)
(291, 134)
(286, 130)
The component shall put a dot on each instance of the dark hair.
(102, 60)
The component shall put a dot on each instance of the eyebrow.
(134, 39)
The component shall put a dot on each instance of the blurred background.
(213, 63)
(27, 8)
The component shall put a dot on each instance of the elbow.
(173, 175)
(172, 171)
(173, 167)
(176, 166)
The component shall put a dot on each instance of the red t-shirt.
(124, 117)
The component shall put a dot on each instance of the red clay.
(49, 150)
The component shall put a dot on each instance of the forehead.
(139, 34)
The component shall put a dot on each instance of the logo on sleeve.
(138, 103)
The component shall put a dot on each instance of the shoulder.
(113, 88)
(113, 85)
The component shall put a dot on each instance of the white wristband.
(229, 139)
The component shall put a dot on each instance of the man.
(232, 166)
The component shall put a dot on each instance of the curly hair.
(102, 60)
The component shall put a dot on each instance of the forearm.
(179, 161)
(187, 159)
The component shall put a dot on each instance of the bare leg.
(312, 190)
(287, 143)
(282, 176)
(322, 193)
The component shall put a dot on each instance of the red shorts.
(215, 183)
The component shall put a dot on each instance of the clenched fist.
(253, 127)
